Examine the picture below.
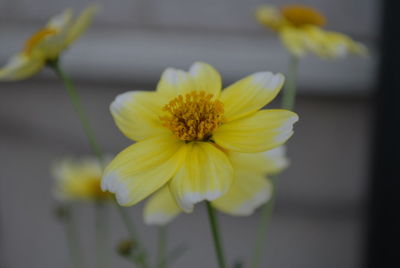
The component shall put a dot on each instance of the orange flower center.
(36, 38)
(194, 116)
(301, 15)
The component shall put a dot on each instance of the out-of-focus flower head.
(300, 29)
(47, 44)
(79, 180)
(188, 134)
(250, 189)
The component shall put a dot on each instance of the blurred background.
(320, 215)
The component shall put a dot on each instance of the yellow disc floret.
(300, 15)
(193, 116)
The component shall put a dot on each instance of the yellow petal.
(20, 67)
(174, 82)
(206, 174)
(268, 162)
(143, 168)
(294, 40)
(270, 16)
(136, 114)
(259, 132)
(205, 78)
(250, 94)
(81, 23)
(161, 208)
(52, 45)
(60, 21)
(337, 45)
(249, 191)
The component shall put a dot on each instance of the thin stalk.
(262, 230)
(77, 104)
(162, 247)
(94, 145)
(102, 231)
(74, 245)
(140, 254)
(212, 217)
(289, 91)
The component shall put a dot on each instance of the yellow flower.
(47, 44)
(249, 189)
(186, 130)
(79, 180)
(300, 30)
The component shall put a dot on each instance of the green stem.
(77, 104)
(140, 256)
(212, 217)
(101, 235)
(73, 239)
(162, 246)
(289, 91)
(266, 213)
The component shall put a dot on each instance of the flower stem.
(289, 91)
(73, 239)
(212, 217)
(266, 213)
(162, 246)
(101, 230)
(140, 256)
(77, 104)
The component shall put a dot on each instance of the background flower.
(79, 180)
(300, 29)
(47, 44)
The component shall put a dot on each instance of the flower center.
(194, 116)
(36, 38)
(301, 15)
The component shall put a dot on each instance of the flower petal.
(295, 40)
(20, 67)
(205, 175)
(250, 94)
(259, 132)
(143, 168)
(82, 23)
(60, 21)
(161, 208)
(249, 191)
(136, 114)
(52, 45)
(268, 162)
(206, 78)
(174, 82)
(270, 16)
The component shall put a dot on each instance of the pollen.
(193, 116)
(301, 15)
(36, 38)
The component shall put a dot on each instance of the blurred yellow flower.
(250, 188)
(186, 130)
(79, 180)
(47, 44)
(300, 29)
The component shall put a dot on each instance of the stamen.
(194, 116)
(301, 15)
